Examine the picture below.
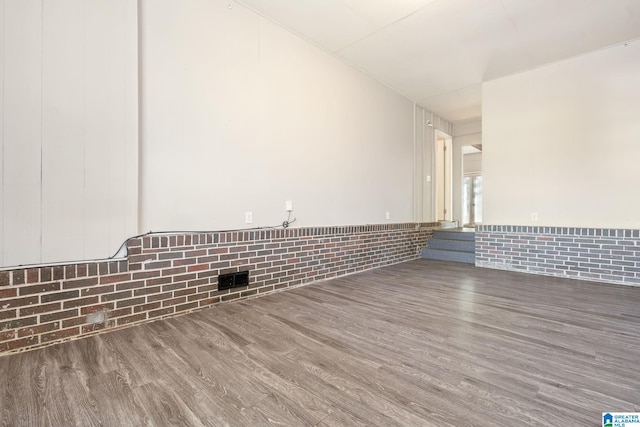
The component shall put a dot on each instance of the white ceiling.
(438, 52)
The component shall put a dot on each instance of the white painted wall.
(425, 164)
(562, 141)
(421, 167)
(238, 114)
(68, 129)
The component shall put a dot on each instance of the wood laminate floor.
(423, 343)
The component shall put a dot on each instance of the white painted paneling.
(419, 166)
(22, 26)
(456, 181)
(424, 163)
(121, 201)
(98, 128)
(69, 127)
(127, 15)
(240, 115)
(63, 129)
(2, 135)
(429, 162)
(561, 141)
(429, 172)
(111, 150)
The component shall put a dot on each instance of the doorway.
(472, 185)
(471, 200)
(444, 175)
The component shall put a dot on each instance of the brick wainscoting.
(166, 275)
(597, 254)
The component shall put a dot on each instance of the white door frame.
(443, 171)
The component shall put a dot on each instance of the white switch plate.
(428, 178)
(248, 217)
(387, 216)
(534, 216)
(289, 205)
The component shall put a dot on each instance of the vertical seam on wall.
(109, 142)
(2, 144)
(415, 159)
(139, 170)
(423, 165)
(41, 114)
(125, 122)
(84, 139)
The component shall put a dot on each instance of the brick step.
(454, 235)
(451, 244)
(445, 255)
(457, 245)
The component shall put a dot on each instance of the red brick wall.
(170, 274)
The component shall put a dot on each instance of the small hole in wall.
(96, 317)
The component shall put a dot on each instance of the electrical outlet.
(534, 216)
(387, 215)
(248, 217)
(428, 178)
(288, 205)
